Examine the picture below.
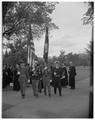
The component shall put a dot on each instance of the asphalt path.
(72, 103)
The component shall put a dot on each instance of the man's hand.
(18, 73)
(62, 77)
(28, 81)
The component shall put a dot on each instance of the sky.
(72, 35)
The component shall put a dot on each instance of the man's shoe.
(23, 96)
(64, 86)
(72, 88)
(60, 94)
(49, 95)
(37, 96)
(45, 94)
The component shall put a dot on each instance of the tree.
(19, 17)
(90, 48)
(88, 19)
(89, 15)
(70, 56)
(5, 7)
(62, 56)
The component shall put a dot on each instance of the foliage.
(89, 15)
(88, 19)
(62, 56)
(77, 59)
(5, 8)
(17, 18)
(89, 50)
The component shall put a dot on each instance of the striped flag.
(28, 58)
(32, 53)
(31, 49)
(46, 47)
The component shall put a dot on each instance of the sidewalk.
(73, 103)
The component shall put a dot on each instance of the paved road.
(73, 103)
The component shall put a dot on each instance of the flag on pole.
(46, 47)
(28, 58)
(31, 49)
(32, 53)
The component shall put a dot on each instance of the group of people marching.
(40, 77)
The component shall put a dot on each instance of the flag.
(28, 58)
(32, 53)
(31, 49)
(46, 47)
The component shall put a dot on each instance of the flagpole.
(46, 47)
(31, 48)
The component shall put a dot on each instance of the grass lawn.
(82, 73)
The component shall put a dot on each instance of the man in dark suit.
(64, 78)
(10, 74)
(72, 74)
(16, 85)
(56, 77)
(5, 76)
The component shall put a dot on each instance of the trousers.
(35, 87)
(22, 87)
(57, 84)
(47, 87)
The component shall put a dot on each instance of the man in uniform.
(56, 77)
(72, 74)
(35, 78)
(30, 74)
(40, 85)
(46, 80)
(23, 77)
(28, 69)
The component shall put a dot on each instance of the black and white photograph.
(47, 59)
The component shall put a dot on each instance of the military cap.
(21, 61)
(56, 62)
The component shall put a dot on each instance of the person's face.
(71, 63)
(63, 65)
(22, 65)
(17, 66)
(35, 63)
(56, 65)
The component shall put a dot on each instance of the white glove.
(50, 81)
(28, 81)
(18, 73)
(11, 84)
(63, 77)
(54, 73)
